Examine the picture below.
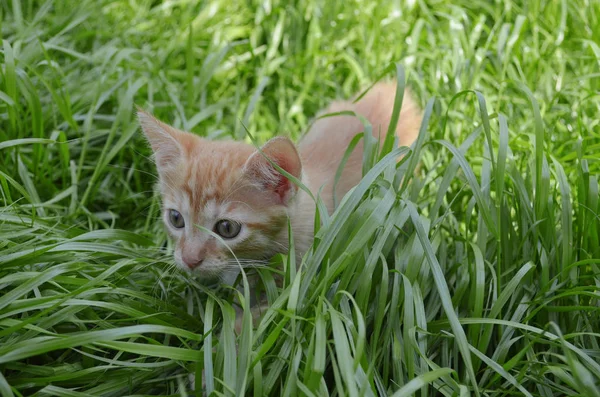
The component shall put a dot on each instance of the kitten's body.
(323, 147)
(206, 182)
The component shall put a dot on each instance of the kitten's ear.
(164, 140)
(282, 152)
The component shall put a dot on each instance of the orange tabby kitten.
(232, 190)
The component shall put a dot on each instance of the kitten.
(232, 190)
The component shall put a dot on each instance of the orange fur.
(207, 181)
(324, 145)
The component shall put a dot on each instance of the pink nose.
(192, 262)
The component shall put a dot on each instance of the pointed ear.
(281, 151)
(164, 140)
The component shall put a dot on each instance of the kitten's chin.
(204, 277)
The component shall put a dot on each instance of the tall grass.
(475, 273)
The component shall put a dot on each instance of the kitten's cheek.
(179, 261)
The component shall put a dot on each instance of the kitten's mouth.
(207, 270)
(202, 274)
(223, 270)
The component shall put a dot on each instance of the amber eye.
(176, 219)
(227, 229)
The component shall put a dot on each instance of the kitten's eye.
(176, 219)
(228, 229)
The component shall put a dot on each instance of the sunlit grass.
(479, 274)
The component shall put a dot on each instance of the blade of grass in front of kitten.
(442, 288)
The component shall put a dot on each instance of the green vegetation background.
(478, 276)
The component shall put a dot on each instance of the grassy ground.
(480, 276)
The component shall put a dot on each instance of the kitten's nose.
(192, 262)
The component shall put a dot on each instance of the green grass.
(480, 275)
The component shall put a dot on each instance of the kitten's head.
(226, 187)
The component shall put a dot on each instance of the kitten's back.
(324, 145)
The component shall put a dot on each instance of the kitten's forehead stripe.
(211, 170)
